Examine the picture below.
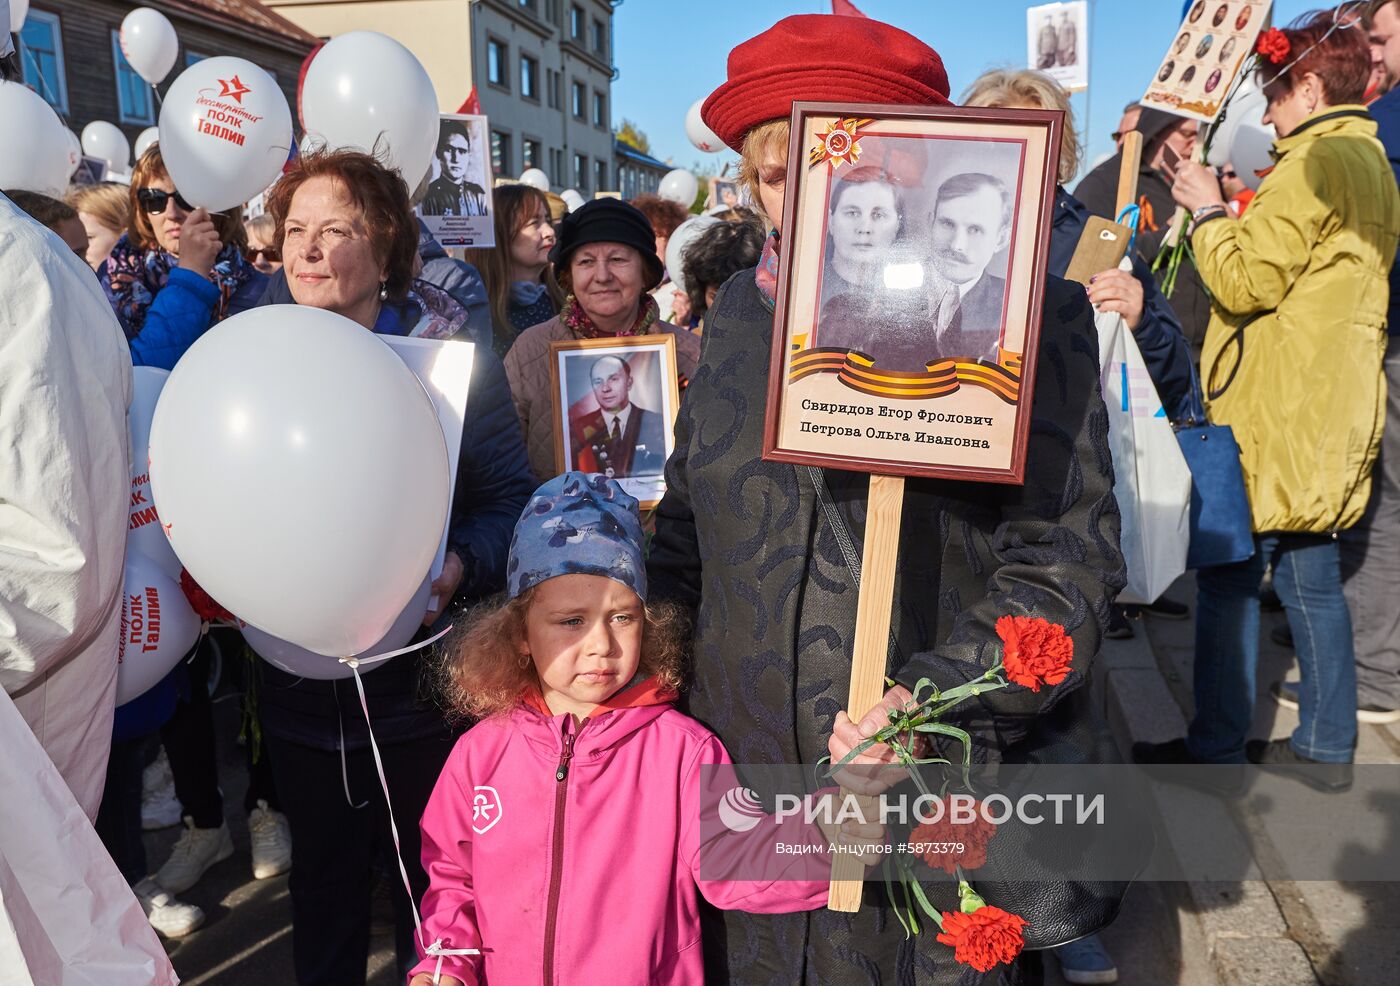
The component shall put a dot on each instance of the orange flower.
(973, 837)
(983, 938)
(1035, 651)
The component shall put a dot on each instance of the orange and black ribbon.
(938, 379)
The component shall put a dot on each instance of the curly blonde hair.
(1024, 87)
(758, 142)
(481, 672)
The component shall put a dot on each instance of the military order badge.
(909, 296)
(615, 402)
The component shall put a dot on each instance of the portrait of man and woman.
(917, 251)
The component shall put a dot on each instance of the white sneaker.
(194, 853)
(167, 915)
(272, 841)
(160, 808)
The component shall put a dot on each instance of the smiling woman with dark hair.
(349, 242)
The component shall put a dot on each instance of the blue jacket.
(492, 486)
(1386, 112)
(1158, 335)
(457, 277)
(180, 313)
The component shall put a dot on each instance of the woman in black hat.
(606, 261)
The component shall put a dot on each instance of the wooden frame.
(961, 415)
(571, 431)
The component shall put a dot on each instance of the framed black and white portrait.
(456, 206)
(910, 287)
(615, 403)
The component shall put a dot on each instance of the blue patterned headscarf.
(578, 524)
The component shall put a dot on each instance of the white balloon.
(159, 626)
(75, 150)
(33, 146)
(1243, 140)
(145, 139)
(535, 178)
(679, 186)
(149, 43)
(700, 135)
(302, 662)
(684, 235)
(301, 474)
(105, 141)
(225, 131)
(144, 533)
(366, 91)
(572, 199)
(19, 10)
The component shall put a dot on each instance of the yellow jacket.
(1311, 257)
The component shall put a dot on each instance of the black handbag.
(1222, 530)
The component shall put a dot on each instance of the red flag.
(845, 8)
(471, 104)
(301, 78)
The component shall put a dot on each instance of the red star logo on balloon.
(233, 87)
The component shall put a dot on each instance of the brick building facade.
(70, 54)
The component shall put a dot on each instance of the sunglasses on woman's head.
(271, 254)
(154, 200)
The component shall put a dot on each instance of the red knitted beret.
(826, 57)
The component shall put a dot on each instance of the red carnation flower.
(1035, 651)
(204, 605)
(983, 938)
(1274, 45)
(973, 837)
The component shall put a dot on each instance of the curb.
(1238, 926)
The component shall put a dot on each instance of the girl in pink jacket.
(564, 837)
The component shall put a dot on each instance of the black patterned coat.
(745, 543)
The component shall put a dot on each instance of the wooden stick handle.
(1128, 171)
(873, 612)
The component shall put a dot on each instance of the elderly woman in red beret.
(759, 549)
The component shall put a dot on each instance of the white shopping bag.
(1151, 479)
(67, 918)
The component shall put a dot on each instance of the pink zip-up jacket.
(570, 855)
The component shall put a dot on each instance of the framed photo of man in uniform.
(615, 402)
(909, 289)
(457, 205)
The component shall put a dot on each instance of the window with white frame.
(134, 102)
(600, 109)
(41, 58)
(581, 172)
(529, 77)
(580, 99)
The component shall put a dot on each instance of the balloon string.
(436, 949)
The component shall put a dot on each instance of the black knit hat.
(608, 220)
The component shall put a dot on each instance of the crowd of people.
(733, 597)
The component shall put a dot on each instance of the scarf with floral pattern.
(135, 276)
(582, 327)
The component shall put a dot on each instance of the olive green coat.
(1302, 384)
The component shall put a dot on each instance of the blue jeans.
(1307, 578)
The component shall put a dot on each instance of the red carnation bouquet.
(1274, 45)
(1035, 654)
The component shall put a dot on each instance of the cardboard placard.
(1215, 39)
(444, 368)
(457, 208)
(1057, 42)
